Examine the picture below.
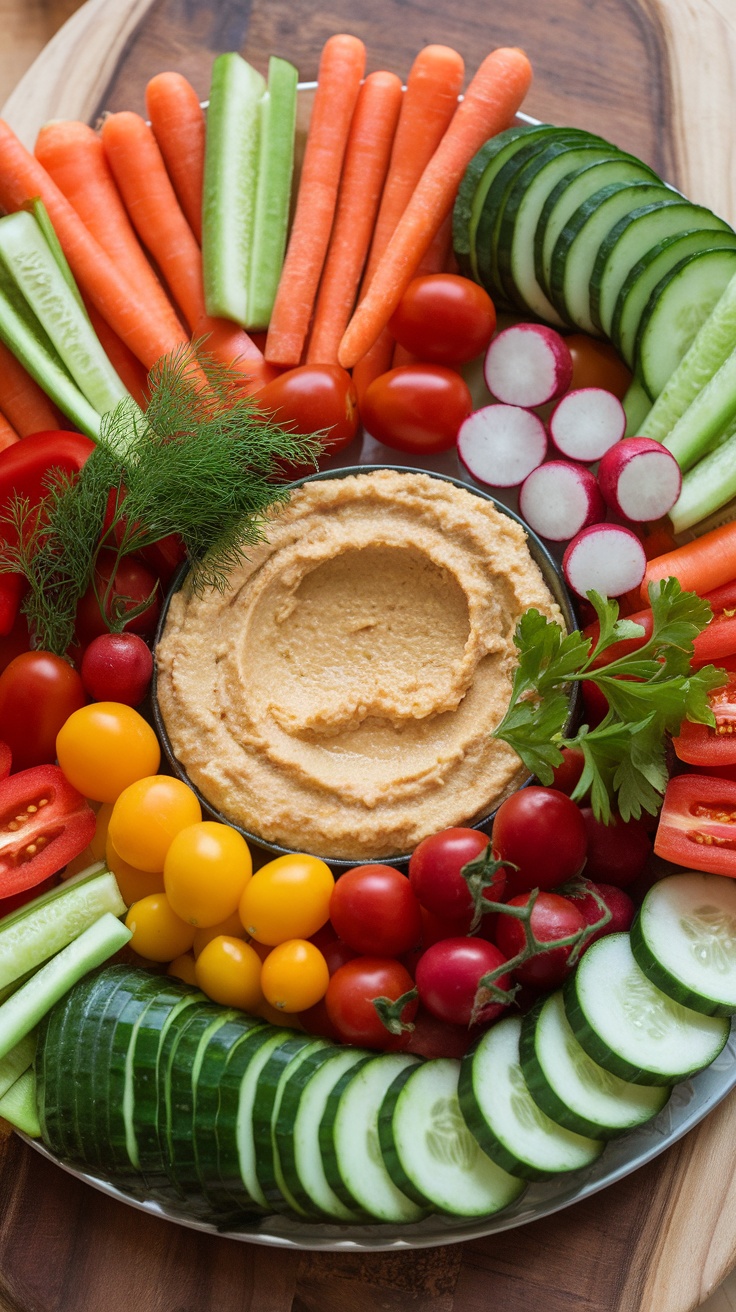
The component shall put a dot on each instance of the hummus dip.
(341, 696)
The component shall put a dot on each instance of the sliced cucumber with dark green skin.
(114, 1036)
(505, 1119)
(240, 1084)
(574, 254)
(429, 1151)
(216, 1145)
(464, 211)
(679, 305)
(629, 1027)
(272, 1081)
(165, 1014)
(55, 1055)
(684, 939)
(183, 1127)
(570, 1087)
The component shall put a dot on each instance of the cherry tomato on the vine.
(349, 1001)
(374, 910)
(38, 693)
(541, 832)
(314, 397)
(435, 872)
(553, 917)
(444, 318)
(618, 852)
(417, 408)
(119, 588)
(448, 976)
(619, 904)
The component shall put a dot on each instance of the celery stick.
(275, 169)
(708, 486)
(707, 415)
(26, 255)
(636, 403)
(711, 347)
(27, 941)
(25, 1008)
(17, 1061)
(18, 1105)
(41, 216)
(230, 174)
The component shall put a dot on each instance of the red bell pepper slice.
(700, 744)
(697, 826)
(44, 823)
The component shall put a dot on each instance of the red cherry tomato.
(435, 872)
(435, 1038)
(596, 364)
(417, 408)
(375, 911)
(617, 853)
(133, 582)
(38, 693)
(444, 319)
(117, 667)
(349, 1001)
(334, 951)
(619, 904)
(552, 918)
(15, 642)
(314, 397)
(568, 772)
(448, 976)
(543, 833)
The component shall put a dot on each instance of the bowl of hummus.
(340, 697)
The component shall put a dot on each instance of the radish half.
(586, 422)
(559, 498)
(528, 365)
(500, 445)
(640, 479)
(607, 557)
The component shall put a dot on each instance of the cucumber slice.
(708, 486)
(16, 1062)
(632, 237)
(164, 1001)
(183, 1128)
(272, 1081)
(230, 184)
(162, 1019)
(112, 1036)
(507, 1122)
(577, 246)
(637, 404)
(26, 941)
(429, 1151)
(228, 1055)
(570, 1087)
(240, 1086)
(629, 1026)
(677, 308)
(684, 939)
(18, 1105)
(348, 1138)
(41, 282)
(275, 169)
(60, 1043)
(465, 210)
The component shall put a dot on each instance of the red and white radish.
(528, 365)
(606, 557)
(559, 498)
(500, 445)
(640, 479)
(586, 422)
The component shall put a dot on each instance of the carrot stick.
(364, 170)
(26, 406)
(125, 364)
(74, 157)
(340, 72)
(178, 123)
(8, 435)
(699, 566)
(126, 310)
(495, 93)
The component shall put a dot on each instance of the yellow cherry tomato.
(294, 976)
(158, 933)
(288, 898)
(99, 842)
(232, 928)
(134, 884)
(205, 872)
(274, 1017)
(229, 972)
(104, 747)
(146, 818)
(183, 968)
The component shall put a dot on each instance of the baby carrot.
(8, 435)
(178, 123)
(340, 72)
(366, 160)
(126, 310)
(28, 408)
(699, 566)
(494, 94)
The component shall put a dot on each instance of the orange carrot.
(364, 170)
(699, 566)
(74, 157)
(178, 123)
(121, 358)
(122, 305)
(8, 435)
(495, 93)
(340, 72)
(26, 406)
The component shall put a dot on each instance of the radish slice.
(501, 444)
(606, 557)
(640, 479)
(528, 364)
(559, 498)
(586, 423)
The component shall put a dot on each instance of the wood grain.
(654, 76)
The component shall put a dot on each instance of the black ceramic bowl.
(550, 572)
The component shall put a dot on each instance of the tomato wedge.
(44, 823)
(699, 744)
(697, 827)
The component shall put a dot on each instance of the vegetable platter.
(459, 1276)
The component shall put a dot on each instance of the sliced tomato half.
(44, 823)
(700, 744)
(697, 827)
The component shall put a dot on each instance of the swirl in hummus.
(340, 698)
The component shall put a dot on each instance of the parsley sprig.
(650, 692)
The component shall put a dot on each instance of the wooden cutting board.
(656, 77)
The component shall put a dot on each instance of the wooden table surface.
(656, 76)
